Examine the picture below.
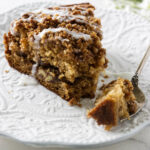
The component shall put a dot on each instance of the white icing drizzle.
(53, 12)
(38, 19)
(81, 21)
(33, 16)
(28, 19)
(74, 7)
(62, 14)
(34, 67)
(59, 13)
(74, 34)
(61, 39)
(12, 28)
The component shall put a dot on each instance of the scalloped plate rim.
(78, 146)
(63, 144)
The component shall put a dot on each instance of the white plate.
(36, 116)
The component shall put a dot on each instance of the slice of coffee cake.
(61, 47)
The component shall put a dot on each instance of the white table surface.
(140, 141)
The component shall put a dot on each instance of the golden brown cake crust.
(106, 114)
(64, 40)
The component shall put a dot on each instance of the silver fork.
(140, 97)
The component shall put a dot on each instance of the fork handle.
(143, 61)
(134, 79)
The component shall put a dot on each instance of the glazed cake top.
(81, 14)
(66, 36)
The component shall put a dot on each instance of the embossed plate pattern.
(36, 116)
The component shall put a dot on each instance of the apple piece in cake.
(61, 47)
(116, 102)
